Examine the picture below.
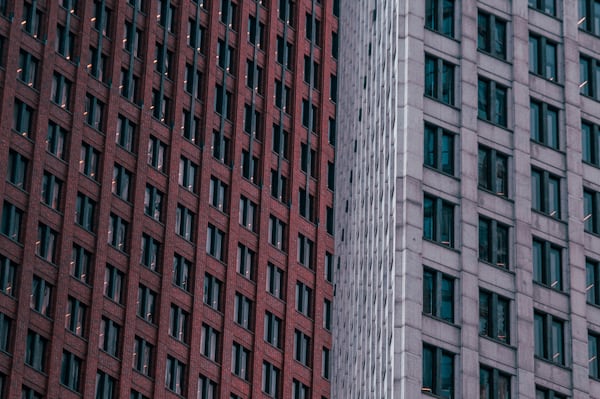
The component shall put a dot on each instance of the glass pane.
(536, 252)
(482, 100)
(430, 146)
(428, 218)
(428, 369)
(430, 14)
(447, 225)
(500, 111)
(500, 39)
(502, 320)
(484, 314)
(535, 121)
(550, 70)
(533, 55)
(485, 389)
(503, 386)
(536, 191)
(448, 83)
(430, 77)
(539, 336)
(448, 18)
(584, 77)
(447, 300)
(557, 342)
(428, 293)
(502, 246)
(484, 169)
(447, 376)
(590, 282)
(447, 153)
(593, 355)
(552, 128)
(484, 240)
(554, 197)
(483, 32)
(587, 143)
(588, 211)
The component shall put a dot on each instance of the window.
(275, 284)
(98, 65)
(438, 295)
(594, 355)
(273, 326)
(181, 272)
(178, 324)
(228, 13)
(109, 336)
(252, 121)
(114, 283)
(226, 56)
(32, 19)
(55, 140)
(331, 176)
(41, 296)
(75, 316)
(328, 267)
(547, 264)
(196, 36)
(94, 112)
(223, 102)
(212, 292)
(153, 202)
(545, 195)
(313, 30)
(85, 209)
(117, 233)
(438, 371)
(126, 132)
(243, 311)
(240, 361)
(207, 388)
(491, 35)
(277, 233)
(543, 57)
(299, 390)
(105, 385)
(51, 190)
(591, 207)
(544, 124)
(302, 348)
(439, 16)
(29, 67)
(184, 222)
(285, 51)
(306, 252)
(247, 214)
(492, 102)
(438, 220)
(439, 79)
(493, 242)
(246, 259)
(61, 91)
(221, 147)
(215, 243)
(17, 170)
(547, 6)
(592, 272)
(193, 81)
(310, 116)
(190, 130)
(11, 221)
(5, 333)
(249, 166)
(28, 393)
(493, 171)
(270, 380)
(256, 32)
(136, 395)
(161, 107)
(308, 160)
(143, 354)
(81, 261)
(591, 143)
(218, 195)
(545, 393)
(150, 252)
(439, 149)
(35, 352)
(71, 370)
(163, 60)
(303, 299)
(23, 119)
(494, 316)
(90, 158)
(493, 384)
(549, 337)
(146, 304)
(286, 11)
(209, 342)
(281, 142)
(157, 152)
(283, 96)
(175, 375)
(325, 365)
(333, 88)
(279, 186)
(589, 17)
(166, 15)
(102, 18)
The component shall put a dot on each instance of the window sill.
(428, 392)
(496, 266)
(504, 60)
(542, 77)
(562, 366)
(148, 323)
(30, 85)
(495, 124)
(547, 215)
(89, 286)
(454, 39)
(504, 197)
(451, 248)
(25, 135)
(542, 144)
(430, 316)
(452, 176)
(497, 341)
(547, 287)
(545, 13)
(138, 372)
(110, 355)
(437, 100)
(12, 240)
(21, 189)
(591, 233)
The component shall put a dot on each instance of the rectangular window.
(328, 267)
(243, 311)
(85, 210)
(157, 153)
(228, 13)
(218, 194)
(302, 348)
(543, 57)
(494, 316)
(130, 85)
(313, 29)
(283, 96)
(153, 202)
(303, 299)
(591, 209)
(594, 355)
(589, 14)
(184, 222)
(273, 326)
(306, 252)
(275, 281)
(28, 70)
(114, 283)
(212, 292)
(102, 18)
(175, 375)
(121, 181)
(491, 35)
(299, 390)
(493, 171)
(207, 388)
(589, 82)
(240, 361)
(51, 190)
(492, 102)
(248, 214)
(196, 35)
(166, 15)
(226, 56)
(135, 394)
(439, 79)
(105, 386)
(94, 112)
(439, 149)
(249, 166)
(545, 393)
(246, 260)
(438, 295)
(190, 129)
(193, 81)
(132, 39)
(277, 233)
(285, 52)
(150, 253)
(286, 11)
(117, 233)
(71, 371)
(146, 304)
(56, 139)
(143, 354)
(547, 6)
(89, 161)
(32, 19)
(253, 122)
(5, 333)
(592, 272)
(221, 147)
(75, 316)
(279, 186)
(223, 102)
(179, 321)
(310, 116)
(163, 60)
(549, 337)
(12, 218)
(17, 170)
(188, 172)
(493, 384)
(215, 243)
(27, 393)
(281, 145)
(547, 264)
(35, 351)
(209, 343)
(439, 16)
(326, 364)
(8, 276)
(493, 242)
(61, 91)
(98, 65)
(41, 296)
(308, 160)
(181, 272)
(544, 124)
(23, 119)
(438, 371)
(331, 176)
(109, 340)
(161, 107)
(545, 193)
(438, 220)
(256, 32)
(270, 380)
(590, 143)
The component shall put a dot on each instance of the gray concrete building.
(468, 200)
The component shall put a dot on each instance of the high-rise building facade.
(167, 213)
(467, 202)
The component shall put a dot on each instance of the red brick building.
(167, 213)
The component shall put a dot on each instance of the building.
(467, 189)
(167, 214)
